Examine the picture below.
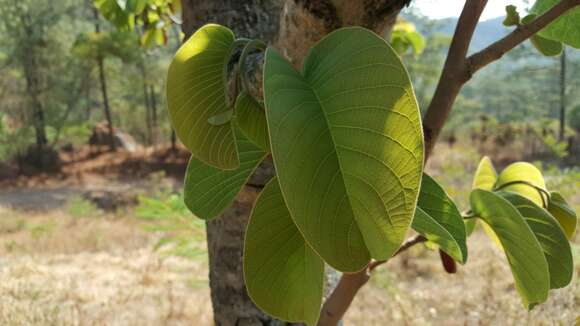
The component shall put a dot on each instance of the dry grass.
(415, 290)
(94, 271)
(78, 267)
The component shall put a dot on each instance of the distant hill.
(487, 31)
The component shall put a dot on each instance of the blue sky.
(452, 8)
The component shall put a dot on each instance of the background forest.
(52, 53)
(90, 234)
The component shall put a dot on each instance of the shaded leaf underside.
(208, 191)
(283, 275)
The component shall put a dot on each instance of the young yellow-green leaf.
(514, 178)
(347, 144)
(485, 178)
(283, 275)
(251, 119)
(559, 208)
(545, 46)
(438, 234)
(196, 92)
(485, 175)
(208, 191)
(565, 29)
(550, 236)
(512, 17)
(524, 253)
(435, 203)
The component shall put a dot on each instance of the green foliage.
(346, 140)
(512, 17)
(153, 17)
(113, 11)
(427, 226)
(550, 236)
(565, 29)
(196, 92)
(209, 190)
(363, 140)
(439, 220)
(80, 207)
(278, 260)
(122, 45)
(546, 46)
(166, 214)
(348, 154)
(527, 261)
(404, 37)
(514, 215)
(574, 118)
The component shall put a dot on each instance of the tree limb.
(454, 75)
(517, 36)
(341, 298)
(458, 69)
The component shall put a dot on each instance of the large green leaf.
(435, 203)
(524, 179)
(559, 208)
(251, 118)
(550, 236)
(283, 275)
(347, 145)
(196, 94)
(426, 225)
(208, 191)
(565, 29)
(524, 253)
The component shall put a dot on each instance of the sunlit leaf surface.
(347, 144)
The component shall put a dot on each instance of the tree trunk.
(292, 26)
(153, 102)
(33, 88)
(147, 103)
(103, 80)
(562, 96)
